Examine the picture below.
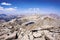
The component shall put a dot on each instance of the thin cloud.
(7, 10)
(15, 10)
(5, 3)
(31, 10)
(1, 8)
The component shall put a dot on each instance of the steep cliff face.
(35, 27)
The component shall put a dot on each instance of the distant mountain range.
(53, 15)
(7, 17)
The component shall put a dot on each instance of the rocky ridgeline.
(35, 27)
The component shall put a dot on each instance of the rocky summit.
(32, 27)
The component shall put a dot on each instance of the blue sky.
(30, 6)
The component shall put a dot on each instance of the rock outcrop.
(34, 27)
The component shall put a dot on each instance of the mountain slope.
(33, 27)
